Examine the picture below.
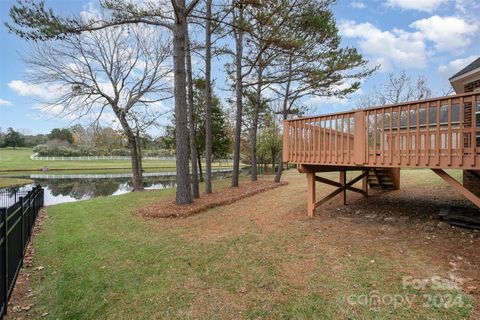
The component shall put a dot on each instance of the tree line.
(122, 62)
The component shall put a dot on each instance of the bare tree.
(397, 89)
(117, 71)
(32, 21)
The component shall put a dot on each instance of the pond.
(70, 188)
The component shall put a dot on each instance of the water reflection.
(69, 190)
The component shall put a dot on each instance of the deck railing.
(442, 132)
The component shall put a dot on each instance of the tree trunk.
(199, 159)
(208, 98)
(136, 171)
(273, 161)
(278, 175)
(139, 153)
(133, 146)
(239, 96)
(184, 193)
(258, 102)
(191, 112)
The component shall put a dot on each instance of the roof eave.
(464, 75)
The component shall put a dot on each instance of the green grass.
(234, 262)
(19, 160)
(13, 182)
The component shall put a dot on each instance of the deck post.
(311, 194)
(395, 173)
(365, 184)
(343, 182)
(359, 138)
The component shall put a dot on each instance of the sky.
(430, 38)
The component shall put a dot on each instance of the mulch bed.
(169, 209)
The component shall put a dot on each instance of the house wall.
(471, 179)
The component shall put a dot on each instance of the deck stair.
(381, 179)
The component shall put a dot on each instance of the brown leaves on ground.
(169, 209)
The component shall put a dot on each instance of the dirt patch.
(169, 209)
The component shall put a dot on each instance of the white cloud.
(4, 102)
(33, 90)
(467, 8)
(358, 4)
(449, 69)
(420, 5)
(395, 48)
(448, 33)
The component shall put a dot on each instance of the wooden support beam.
(339, 190)
(365, 183)
(458, 186)
(311, 194)
(337, 184)
(343, 182)
(395, 174)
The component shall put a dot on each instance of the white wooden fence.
(88, 158)
(113, 175)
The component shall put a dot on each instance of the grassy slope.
(19, 159)
(13, 182)
(103, 262)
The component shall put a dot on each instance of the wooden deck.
(440, 133)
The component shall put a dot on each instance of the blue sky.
(433, 38)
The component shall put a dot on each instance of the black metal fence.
(8, 197)
(16, 224)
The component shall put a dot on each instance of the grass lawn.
(13, 182)
(19, 160)
(259, 258)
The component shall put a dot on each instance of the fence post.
(22, 212)
(5, 261)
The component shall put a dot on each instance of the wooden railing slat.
(473, 127)
(399, 115)
(427, 134)
(417, 138)
(438, 137)
(462, 123)
(450, 134)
